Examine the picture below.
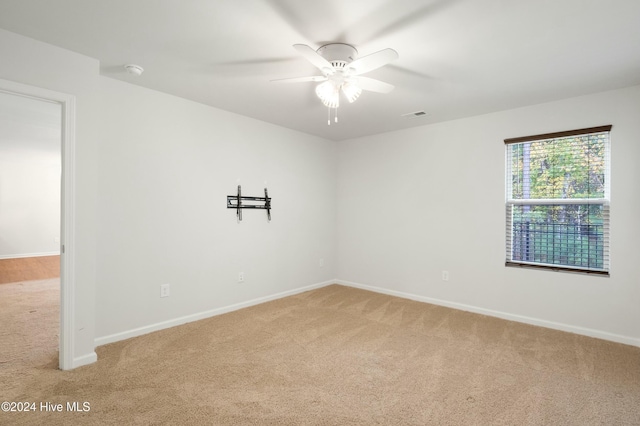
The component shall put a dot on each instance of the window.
(557, 200)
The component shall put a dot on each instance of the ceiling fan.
(342, 72)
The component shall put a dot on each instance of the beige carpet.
(30, 318)
(342, 356)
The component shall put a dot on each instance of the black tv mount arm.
(237, 202)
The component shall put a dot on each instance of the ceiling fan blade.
(308, 19)
(399, 15)
(373, 61)
(373, 85)
(416, 17)
(313, 57)
(300, 79)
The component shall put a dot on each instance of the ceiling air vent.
(416, 114)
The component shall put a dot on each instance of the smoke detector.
(133, 69)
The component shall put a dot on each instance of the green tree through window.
(558, 200)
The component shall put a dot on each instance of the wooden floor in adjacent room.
(29, 269)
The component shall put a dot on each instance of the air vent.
(416, 114)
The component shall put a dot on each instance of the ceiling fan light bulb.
(328, 94)
(333, 102)
(351, 91)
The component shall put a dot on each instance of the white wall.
(152, 175)
(413, 203)
(166, 167)
(29, 177)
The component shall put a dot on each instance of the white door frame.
(67, 214)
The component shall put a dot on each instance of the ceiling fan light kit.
(351, 90)
(329, 94)
(341, 70)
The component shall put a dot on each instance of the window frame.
(604, 201)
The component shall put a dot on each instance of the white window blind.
(557, 200)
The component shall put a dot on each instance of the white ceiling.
(458, 58)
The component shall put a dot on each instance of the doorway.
(30, 178)
(55, 114)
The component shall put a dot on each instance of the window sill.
(557, 268)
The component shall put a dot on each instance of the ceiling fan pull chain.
(336, 115)
(328, 116)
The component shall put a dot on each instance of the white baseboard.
(202, 315)
(504, 315)
(84, 360)
(90, 358)
(20, 256)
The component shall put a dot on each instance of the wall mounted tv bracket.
(239, 203)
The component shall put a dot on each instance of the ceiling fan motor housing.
(338, 52)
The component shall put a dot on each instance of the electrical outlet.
(165, 290)
(445, 275)
(321, 263)
(240, 277)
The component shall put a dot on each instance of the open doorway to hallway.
(30, 217)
